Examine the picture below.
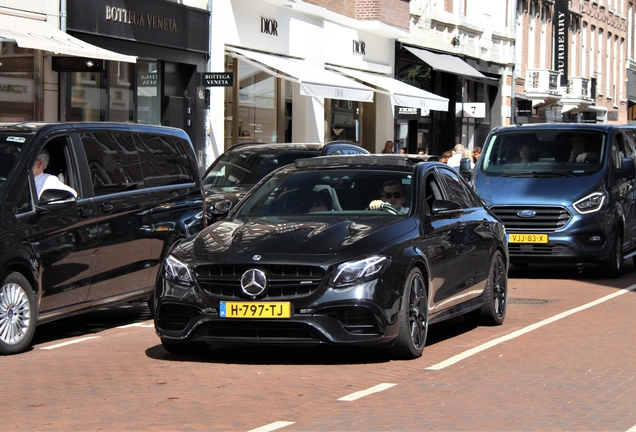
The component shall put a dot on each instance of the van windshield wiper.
(536, 174)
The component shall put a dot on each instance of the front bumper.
(354, 316)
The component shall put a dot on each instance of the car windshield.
(11, 145)
(248, 167)
(543, 153)
(329, 191)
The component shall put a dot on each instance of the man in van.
(44, 181)
(579, 151)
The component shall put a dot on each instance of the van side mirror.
(56, 199)
(627, 169)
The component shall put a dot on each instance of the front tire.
(413, 325)
(613, 267)
(17, 314)
(493, 311)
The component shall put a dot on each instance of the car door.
(626, 142)
(64, 240)
(171, 175)
(123, 206)
(473, 235)
(439, 242)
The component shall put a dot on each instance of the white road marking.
(362, 393)
(136, 325)
(71, 342)
(272, 426)
(459, 357)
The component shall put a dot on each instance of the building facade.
(310, 71)
(95, 60)
(464, 51)
(572, 58)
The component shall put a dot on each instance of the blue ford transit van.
(565, 192)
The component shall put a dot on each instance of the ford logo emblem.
(526, 213)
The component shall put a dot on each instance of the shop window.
(103, 96)
(17, 84)
(256, 105)
(344, 121)
(148, 92)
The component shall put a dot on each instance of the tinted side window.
(618, 149)
(113, 162)
(344, 150)
(164, 160)
(455, 190)
(630, 143)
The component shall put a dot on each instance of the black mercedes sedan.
(345, 250)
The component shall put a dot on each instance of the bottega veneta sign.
(217, 79)
(127, 16)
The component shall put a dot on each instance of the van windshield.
(549, 152)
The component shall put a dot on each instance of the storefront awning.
(314, 81)
(450, 64)
(402, 94)
(39, 35)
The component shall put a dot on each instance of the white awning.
(450, 64)
(314, 81)
(34, 34)
(402, 94)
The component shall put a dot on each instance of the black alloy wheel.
(413, 324)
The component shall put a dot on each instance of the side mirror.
(56, 199)
(465, 169)
(627, 170)
(446, 209)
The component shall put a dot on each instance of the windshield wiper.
(536, 174)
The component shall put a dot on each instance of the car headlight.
(590, 203)
(176, 271)
(353, 272)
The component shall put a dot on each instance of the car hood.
(534, 191)
(235, 239)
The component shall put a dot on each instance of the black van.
(565, 192)
(138, 192)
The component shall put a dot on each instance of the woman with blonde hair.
(469, 154)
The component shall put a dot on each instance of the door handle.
(106, 208)
(85, 212)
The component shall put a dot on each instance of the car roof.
(36, 127)
(602, 127)
(396, 160)
(310, 147)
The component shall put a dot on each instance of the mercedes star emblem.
(253, 282)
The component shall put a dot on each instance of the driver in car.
(392, 194)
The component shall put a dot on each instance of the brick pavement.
(574, 374)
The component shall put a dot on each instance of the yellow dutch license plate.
(255, 310)
(527, 238)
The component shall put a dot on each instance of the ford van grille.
(530, 218)
(283, 281)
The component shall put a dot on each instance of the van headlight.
(353, 272)
(177, 271)
(590, 203)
